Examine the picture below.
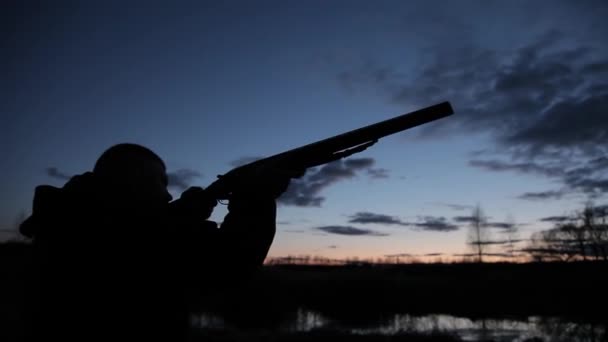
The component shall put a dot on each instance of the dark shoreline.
(359, 294)
(366, 295)
(564, 289)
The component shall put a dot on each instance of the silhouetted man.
(116, 257)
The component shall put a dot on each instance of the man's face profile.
(135, 174)
(152, 182)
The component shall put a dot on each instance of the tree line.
(580, 236)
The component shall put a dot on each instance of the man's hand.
(196, 201)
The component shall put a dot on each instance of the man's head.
(136, 172)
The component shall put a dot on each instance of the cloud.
(587, 176)
(543, 105)
(525, 167)
(359, 163)
(500, 225)
(556, 219)
(332, 247)
(378, 173)
(570, 123)
(306, 191)
(367, 218)
(466, 255)
(543, 195)
(501, 255)
(349, 230)
(464, 219)
(470, 219)
(399, 255)
(433, 254)
(182, 178)
(295, 231)
(436, 224)
(53, 172)
(497, 242)
(601, 210)
(458, 207)
(592, 187)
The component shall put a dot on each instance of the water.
(546, 329)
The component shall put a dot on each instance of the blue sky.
(205, 84)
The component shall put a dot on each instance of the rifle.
(330, 149)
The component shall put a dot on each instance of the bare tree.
(583, 237)
(593, 222)
(512, 236)
(536, 248)
(479, 236)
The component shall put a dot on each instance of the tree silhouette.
(478, 236)
(512, 235)
(583, 237)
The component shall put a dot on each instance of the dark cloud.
(555, 219)
(399, 255)
(349, 230)
(306, 191)
(182, 178)
(570, 123)
(466, 255)
(544, 104)
(463, 219)
(601, 210)
(543, 195)
(501, 255)
(53, 172)
(453, 206)
(596, 68)
(436, 224)
(501, 225)
(587, 176)
(592, 187)
(598, 164)
(367, 217)
(498, 242)
(470, 219)
(598, 210)
(358, 163)
(433, 254)
(295, 231)
(525, 167)
(332, 247)
(378, 173)
(340, 169)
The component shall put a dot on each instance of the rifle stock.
(330, 149)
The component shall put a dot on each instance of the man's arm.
(217, 258)
(242, 242)
(248, 230)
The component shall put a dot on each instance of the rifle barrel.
(375, 131)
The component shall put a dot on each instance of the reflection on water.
(546, 329)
